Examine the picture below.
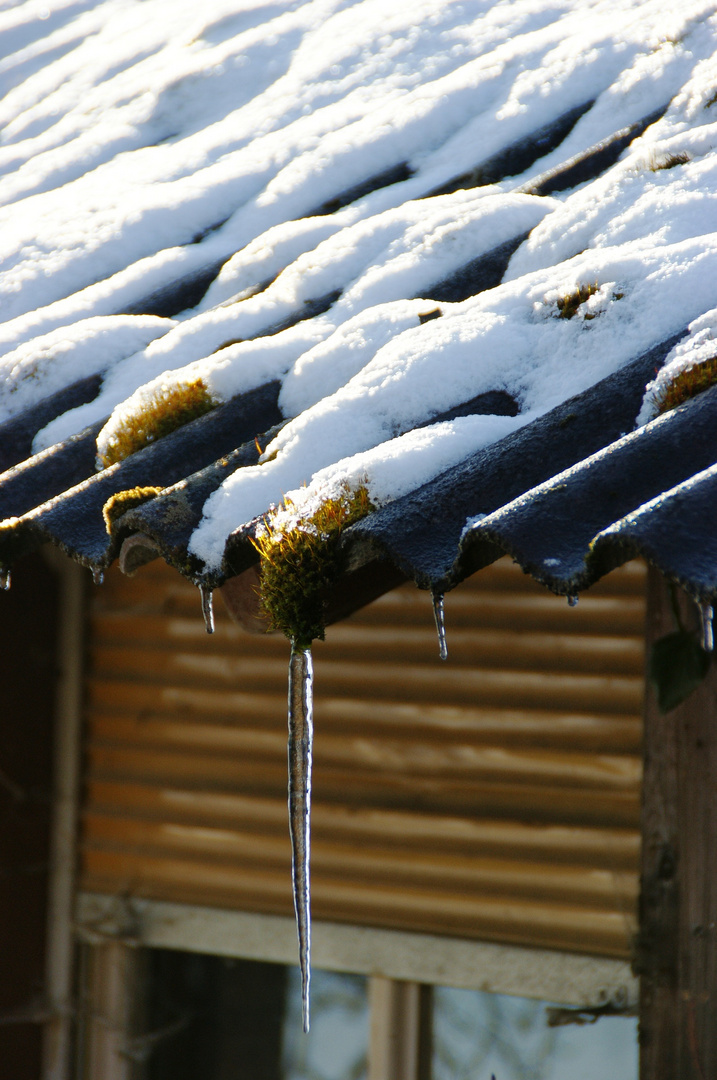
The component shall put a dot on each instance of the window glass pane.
(210, 1018)
(477, 1035)
(337, 1045)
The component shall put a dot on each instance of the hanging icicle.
(207, 596)
(300, 560)
(440, 617)
(708, 640)
(98, 575)
(301, 731)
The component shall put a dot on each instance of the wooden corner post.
(676, 953)
(401, 1030)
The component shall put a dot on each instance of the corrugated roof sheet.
(645, 493)
(569, 495)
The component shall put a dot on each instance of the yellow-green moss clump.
(667, 161)
(688, 384)
(569, 303)
(168, 408)
(301, 560)
(122, 501)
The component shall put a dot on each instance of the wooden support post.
(113, 999)
(400, 1046)
(60, 919)
(677, 945)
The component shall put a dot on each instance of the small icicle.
(708, 638)
(207, 607)
(301, 731)
(4, 580)
(572, 601)
(439, 616)
(98, 575)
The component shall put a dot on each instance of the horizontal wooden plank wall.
(495, 796)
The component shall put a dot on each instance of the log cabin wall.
(493, 797)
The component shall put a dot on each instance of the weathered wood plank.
(677, 948)
(611, 849)
(511, 919)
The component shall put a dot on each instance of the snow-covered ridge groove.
(319, 180)
(393, 254)
(347, 150)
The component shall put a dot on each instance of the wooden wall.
(494, 796)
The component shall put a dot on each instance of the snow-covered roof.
(435, 249)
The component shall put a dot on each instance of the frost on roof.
(343, 197)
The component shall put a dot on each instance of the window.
(192, 1016)
(477, 1034)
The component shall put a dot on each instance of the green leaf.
(678, 664)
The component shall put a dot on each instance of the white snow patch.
(54, 361)
(471, 522)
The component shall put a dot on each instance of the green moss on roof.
(122, 501)
(569, 303)
(687, 384)
(169, 408)
(301, 560)
(667, 161)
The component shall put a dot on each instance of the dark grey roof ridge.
(551, 530)
(73, 519)
(676, 532)
(422, 532)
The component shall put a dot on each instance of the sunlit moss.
(168, 408)
(269, 457)
(569, 303)
(690, 382)
(667, 161)
(122, 501)
(301, 560)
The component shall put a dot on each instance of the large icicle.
(300, 562)
(301, 731)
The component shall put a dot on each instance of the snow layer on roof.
(399, 253)
(510, 338)
(144, 144)
(55, 359)
(389, 469)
